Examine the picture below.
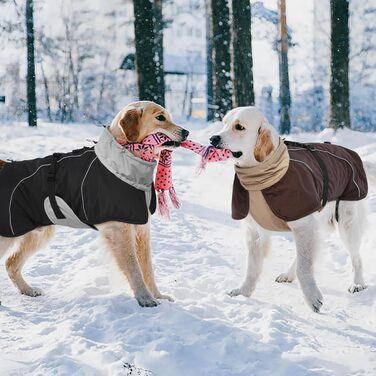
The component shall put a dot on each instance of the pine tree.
(284, 84)
(209, 62)
(242, 50)
(158, 45)
(222, 93)
(339, 65)
(31, 97)
(149, 86)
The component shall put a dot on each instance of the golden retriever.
(246, 130)
(129, 244)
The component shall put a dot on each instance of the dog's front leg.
(257, 245)
(121, 239)
(306, 238)
(143, 248)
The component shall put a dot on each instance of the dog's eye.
(239, 127)
(161, 118)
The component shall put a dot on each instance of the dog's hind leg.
(143, 249)
(351, 225)
(289, 276)
(5, 244)
(257, 244)
(29, 244)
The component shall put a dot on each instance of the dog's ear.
(130, 124)
(264, 145)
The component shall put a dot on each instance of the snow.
(88, 323)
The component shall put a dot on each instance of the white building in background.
(185, 57)
(184, 42)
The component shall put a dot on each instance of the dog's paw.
(147, 301)
(356, 287)
(284, 278)
(315, 301)
(32, 291)
(240, 291)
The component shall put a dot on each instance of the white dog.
(243, 129)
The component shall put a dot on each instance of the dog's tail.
(370, 169)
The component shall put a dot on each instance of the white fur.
(305, 230)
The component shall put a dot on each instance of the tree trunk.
(158, 55)
(242, 51)
(339, 65)
(147, 79)
(222, 97)
(284, 85)
(31, 97)
(209, 63)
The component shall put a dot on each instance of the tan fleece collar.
(267, 173)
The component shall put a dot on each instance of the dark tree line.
(339, 65)
(209, 62)
(219, 63)
(221, 40)
(284, 82)
(148, 29)
(229, 58)
(158, 45)
(242, 49)
(221, 34)
(31, 97)
(229, 36)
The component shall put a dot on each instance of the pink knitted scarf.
(163, 179)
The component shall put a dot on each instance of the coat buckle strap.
(51, 180)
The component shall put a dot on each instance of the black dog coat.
(79, 189)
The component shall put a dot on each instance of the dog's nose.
(184, 133)
(215, 140)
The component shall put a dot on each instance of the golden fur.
(264, 145)
(129, 244)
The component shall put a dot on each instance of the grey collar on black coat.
(127, 167)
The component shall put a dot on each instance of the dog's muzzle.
(184, 134)
(215, 140)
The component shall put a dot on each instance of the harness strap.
(51, 180)
(324, 171)
(336, 212)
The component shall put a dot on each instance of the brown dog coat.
(290, 185)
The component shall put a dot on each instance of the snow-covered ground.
(88, 323)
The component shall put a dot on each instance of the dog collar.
(124, 164)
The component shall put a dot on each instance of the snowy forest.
(70, 61)
(150, 296)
